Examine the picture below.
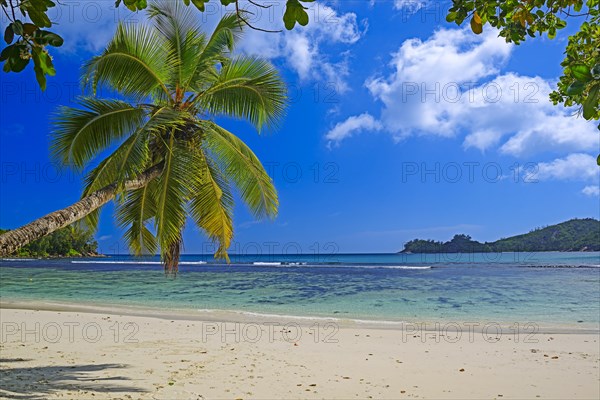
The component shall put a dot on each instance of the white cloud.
(343, 130)
(592, 191)
(577, 166)
(88, 26)
(451, 84)
(411, 6)
(302, 47)
(300, 54)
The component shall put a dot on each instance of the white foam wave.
(288, 317)
(408, 267)
(136, 262)
(18, 259)
(294, 264)
(265, 263)
(415, 267)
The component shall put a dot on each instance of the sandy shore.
(75, 354)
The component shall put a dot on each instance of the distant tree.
(573, 235)
(69, 241)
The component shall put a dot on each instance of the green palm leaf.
(220, 44)
(211, 206)
(137, 209)
(133, 155)
(243, 167)
(134, 64)
(182, 38)
(80, 134)
(247, 88)
(173, 189)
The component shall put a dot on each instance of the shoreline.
(477, 325)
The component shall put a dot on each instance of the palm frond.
(244, 169)
(211, 205)
(134, 213)
(90, 221)
(80, 134)
(172, 18)
(247, 88)
(173, 190)
(183, 39)
(133, 155)
(219, 46)
(134, 63)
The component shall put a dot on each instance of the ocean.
(542, 288)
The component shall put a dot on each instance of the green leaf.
(7, 51)
(12, 57)
(29, 29)
(135, 47)
(138, 208)
(47, 38)
(211, 206)
(247, 88)
(135, 5)
(590, 106)
(81, 134)
(581, 72)
(39, 18)
(200, 4)
(39, 64)
(575, 88)
(302, 17)
(294, 12)
(289, 18)
(18, 64)
(451, 17)
(17, 27)
(9, 34)
(244, 169)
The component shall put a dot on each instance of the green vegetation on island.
(572, 235)
(65, 242)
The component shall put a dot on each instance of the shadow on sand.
(41, 382)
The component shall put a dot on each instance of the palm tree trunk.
(12, 240)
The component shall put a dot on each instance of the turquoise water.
(560, 288)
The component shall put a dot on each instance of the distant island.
(66, 242)
(572, 235)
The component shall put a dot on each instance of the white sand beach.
(74, 354)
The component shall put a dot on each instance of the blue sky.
(400, 126)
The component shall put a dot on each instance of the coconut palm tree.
(170, 161)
